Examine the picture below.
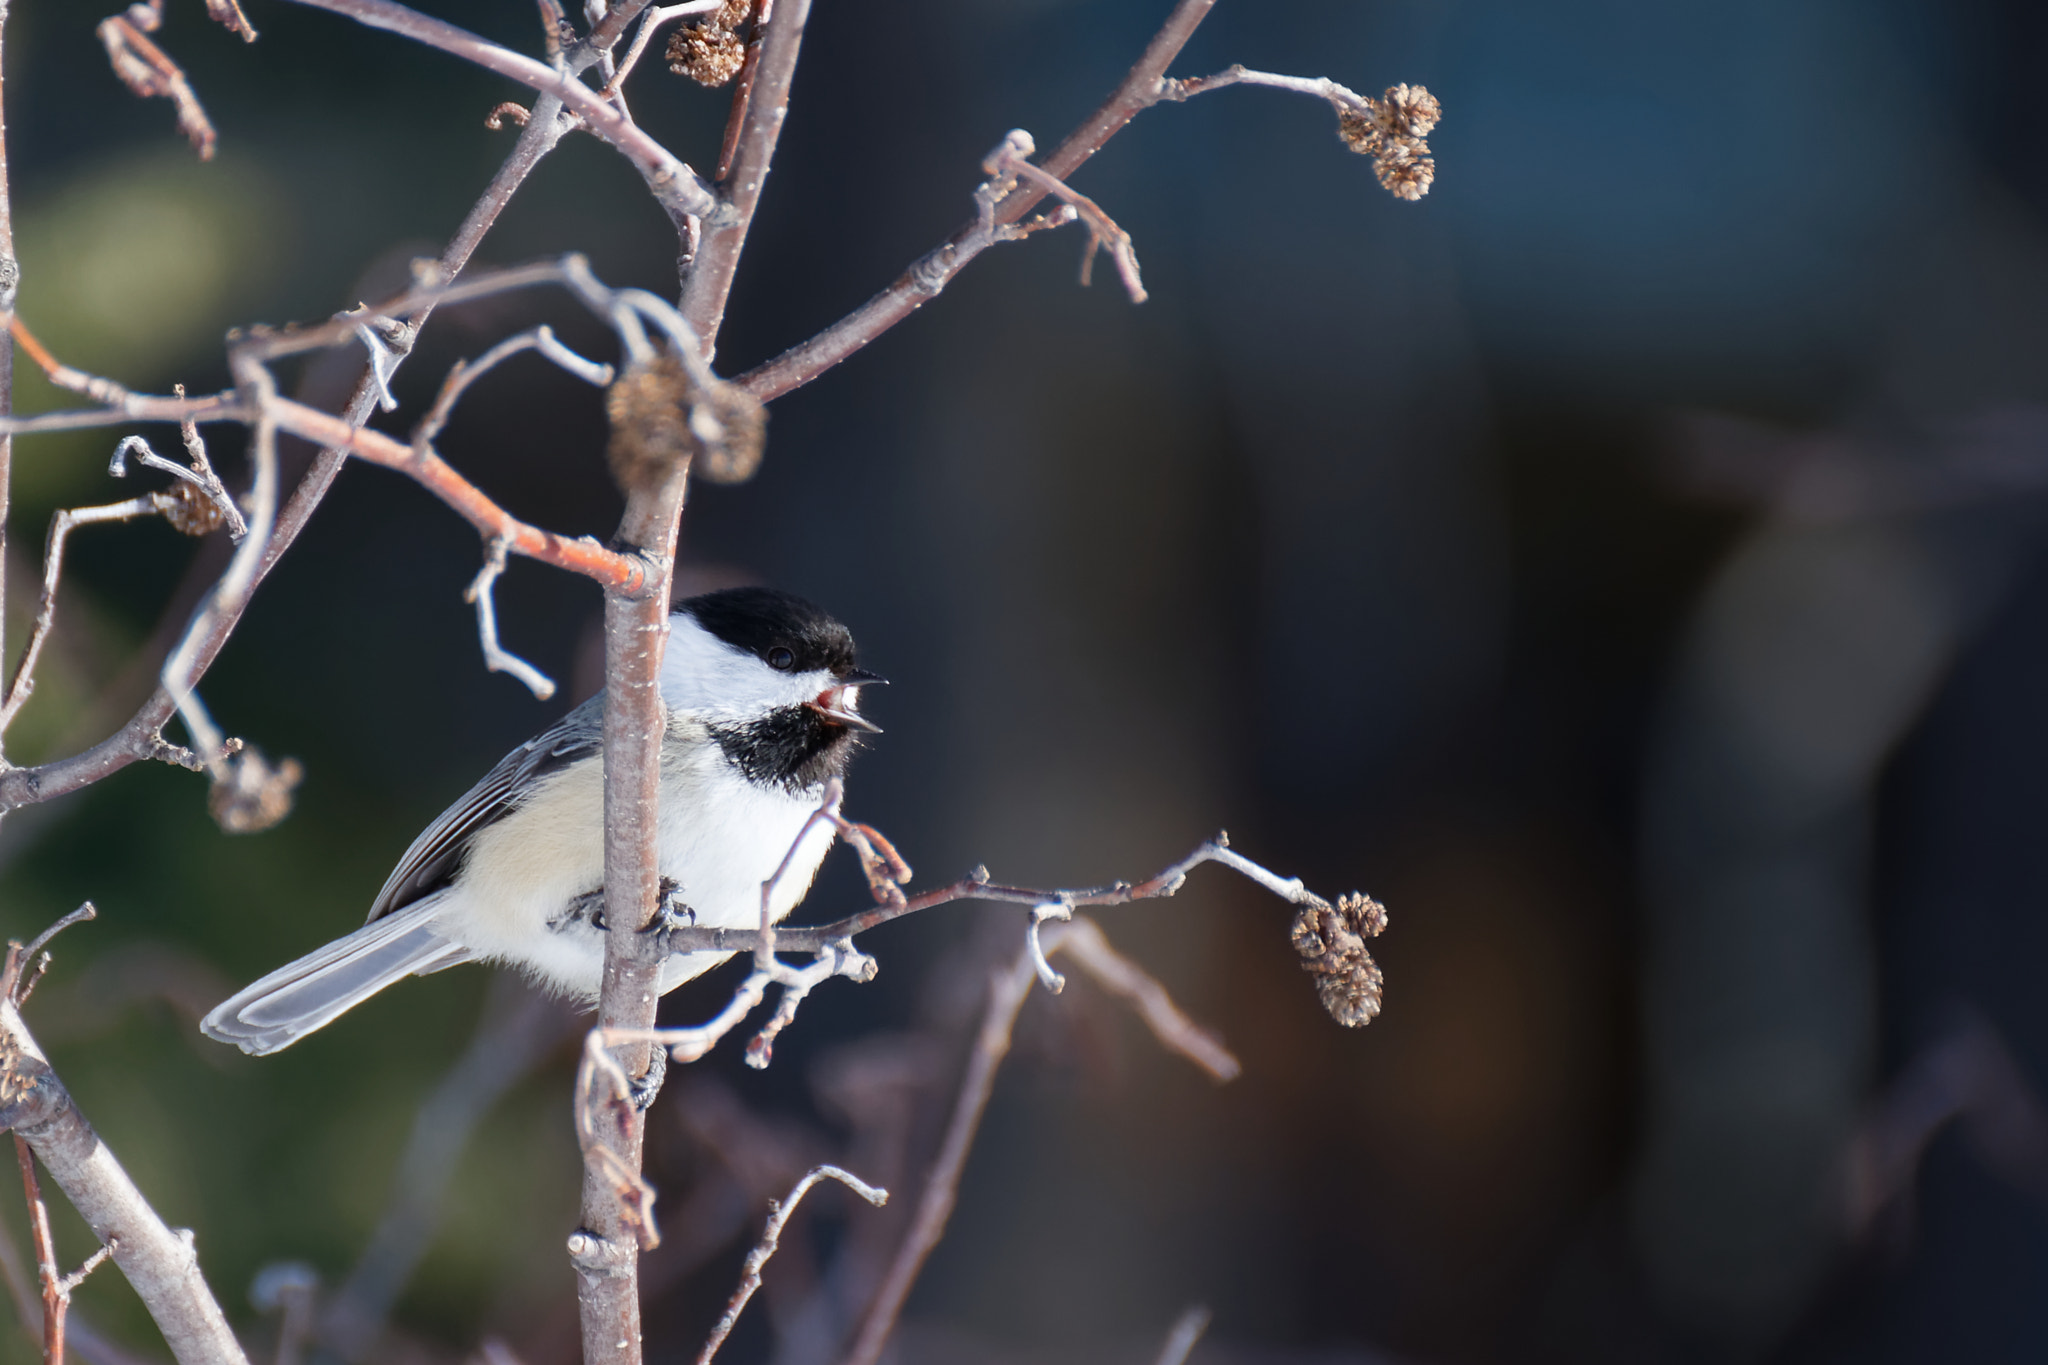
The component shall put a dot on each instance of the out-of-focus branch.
(145, 68)
(1084, 942)
(771, 1237)
(1006, 992)
(160, 1264)
(79, 1338)
(518, 1028)
(766, 101)
(1187, 1330)
(10, 288)
(679, 190)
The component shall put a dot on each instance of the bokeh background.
(1625, 563)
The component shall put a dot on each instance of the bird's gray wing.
(436, 856)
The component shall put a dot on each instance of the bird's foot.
(642, 1090)
(670, 914)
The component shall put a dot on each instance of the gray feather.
(436, 856)
(304, 995)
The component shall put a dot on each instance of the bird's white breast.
(719, 838)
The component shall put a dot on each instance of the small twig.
(93, 1262)
(144, 68)
(654, 18)
(779, 1212)
(496, 658)
(55, 1300)
(85, 913)
(464, 373)
(1009, 165)
(1053, 982)
(1187, 1330)
(61, 525)
(761, 113)
(199, 476)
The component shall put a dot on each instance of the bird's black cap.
(762, 620)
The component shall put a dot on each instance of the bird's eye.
(781, 660)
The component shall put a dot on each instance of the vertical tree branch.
(767, 105)
(10, 282)
(636, 628)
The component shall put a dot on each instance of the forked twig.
(771, 1237)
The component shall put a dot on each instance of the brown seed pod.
(251, 796)
(1331, 941)
(707, 53)
(661, 421)
(188, 509)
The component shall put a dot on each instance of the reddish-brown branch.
(144, 68)
(622, 573)
(55, 1301)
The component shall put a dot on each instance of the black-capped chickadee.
(762, 696)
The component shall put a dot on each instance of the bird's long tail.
(305, 995)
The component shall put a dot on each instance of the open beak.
(836, 702)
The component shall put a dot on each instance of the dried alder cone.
(711, 53)
(1392, 135)
(660, 419)
(1331, 941)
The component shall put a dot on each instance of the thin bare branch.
(55, 1300)
(679, 190)
(766, 105)
(200, 477)
(779, 1212)
(159, 1263)
(1009, 164)
(144, 68)
(464, 373)
(1084, 942)
(61, 526)
(653, 19)
(10, 286)
(497, 659)
(929, 275)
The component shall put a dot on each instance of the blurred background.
(1625, 563)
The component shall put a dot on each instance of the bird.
(761, 690)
